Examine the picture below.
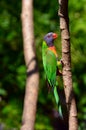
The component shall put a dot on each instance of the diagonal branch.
(66, 57)
(32, 81)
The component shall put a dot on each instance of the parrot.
(51, 64)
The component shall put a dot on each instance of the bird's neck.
(53, 49)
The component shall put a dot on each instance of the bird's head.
(49, 38)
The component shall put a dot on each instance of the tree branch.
(66, 57)
(32, 81)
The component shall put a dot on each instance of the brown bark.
(66, 57)
(32, 82)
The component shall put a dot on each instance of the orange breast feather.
(53, 49)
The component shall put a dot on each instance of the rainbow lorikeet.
(51, 64)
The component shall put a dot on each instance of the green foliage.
(12, 66)
(78, 31)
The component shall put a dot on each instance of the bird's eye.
(48, 36)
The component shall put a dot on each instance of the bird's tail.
(57, 101)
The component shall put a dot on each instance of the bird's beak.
(55, 35)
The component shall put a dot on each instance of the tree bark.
(32, 81)
(66, 58)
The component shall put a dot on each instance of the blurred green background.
(12, 65)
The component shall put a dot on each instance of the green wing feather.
(50, 64)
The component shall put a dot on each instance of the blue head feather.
(49, 38)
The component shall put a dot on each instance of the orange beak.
(55, 35)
